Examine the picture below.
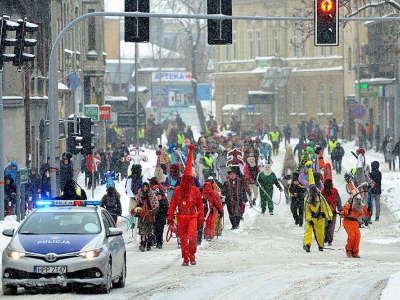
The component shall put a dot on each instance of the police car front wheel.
(105, 289)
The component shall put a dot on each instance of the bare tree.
(191, 43)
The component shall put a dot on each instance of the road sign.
(358, 111)
(126, 119)
(23, 176)
(91, 111)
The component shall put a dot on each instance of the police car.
(65, 243)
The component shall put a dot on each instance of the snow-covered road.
(264, 259)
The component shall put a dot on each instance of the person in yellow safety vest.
(276, 138)
(331, 145)
(181, 139)
(117, 130)
(208, 165)
(141, 135)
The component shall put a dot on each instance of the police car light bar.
(67, 202)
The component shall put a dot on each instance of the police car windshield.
(61, 223)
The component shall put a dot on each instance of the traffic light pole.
(53, 92)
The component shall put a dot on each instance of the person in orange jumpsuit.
(214, 206)
(187, 203)
(350, 214)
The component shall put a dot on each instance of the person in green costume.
(266, 180)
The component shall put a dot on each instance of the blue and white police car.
(65, 244)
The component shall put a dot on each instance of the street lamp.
(276, 77)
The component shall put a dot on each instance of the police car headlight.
(90, 254)
(15, 254)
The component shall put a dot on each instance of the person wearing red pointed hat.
(331, 196)
(351, 212)
(316, 212)
(187, 203)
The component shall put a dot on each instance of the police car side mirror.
(114, 232)
(9, 232)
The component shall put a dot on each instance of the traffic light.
(6, 25)
(23, 30)
(87, 133)
(73, 139)
(326, 26)
(137, 29)
(219, 31)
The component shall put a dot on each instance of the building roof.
(114, 67)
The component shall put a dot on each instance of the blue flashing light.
(93, 202)
(44, 203)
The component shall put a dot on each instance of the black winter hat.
(375, 165)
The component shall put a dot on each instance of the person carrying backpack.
(112, 202)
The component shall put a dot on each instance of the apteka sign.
(171, 76)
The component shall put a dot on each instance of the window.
(276, 41)
(250, 43)
(167, 42)
(303, 98)
(234, 46)
(294, 42)
(321, 51)
(258, 46)
(234, 94)
(330, 98)
(349, 59)
(226, 95)
(91, 31)
(303, 46)
(321, 98)
(331, 50)
(294, 99)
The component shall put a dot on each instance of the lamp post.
(276, 77)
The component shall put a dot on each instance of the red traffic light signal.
(326, 25)
(326, 6)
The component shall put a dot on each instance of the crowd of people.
(196, 181)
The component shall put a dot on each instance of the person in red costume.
(331, 196)
(214, 206)
(350, 214)
(187, 203)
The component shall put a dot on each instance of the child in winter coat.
(161, 215)
(111, 201)
(297, 192)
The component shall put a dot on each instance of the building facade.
(306, 82)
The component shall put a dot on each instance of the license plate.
(51, 270)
